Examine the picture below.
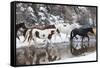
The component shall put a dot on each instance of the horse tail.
(27, 34)
(71, 35)
(30, 36)
(24, 33)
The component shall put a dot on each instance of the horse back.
(43, 27)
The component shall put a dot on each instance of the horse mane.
(20, 25)
(41, 27)
(49, 26)
(89, 28)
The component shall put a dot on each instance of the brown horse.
(42, 32)
(81, 32)
(21, 25)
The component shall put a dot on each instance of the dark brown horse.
(21, 25)
(81, 32)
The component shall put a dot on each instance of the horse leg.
(67, 36)
(88, 38)
(59, 35)
(46, 43)
(82, 39)
(88, 44)
(58, 32)
(30, 41)
(18, 37)
(35, 41)
(50, 43)
(55, 35)
(72, 35)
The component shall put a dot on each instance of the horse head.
(75, 25)
(91, 30)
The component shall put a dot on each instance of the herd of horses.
(48, 31)
(32, 55)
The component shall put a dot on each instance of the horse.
(81, 32)
(44, 33)
(18, 26)
(39, 30)
(66, 28)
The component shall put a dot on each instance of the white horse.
(66, 28)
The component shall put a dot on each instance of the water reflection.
(77, 48)
(32, 55)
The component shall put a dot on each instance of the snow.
(19, 5)
(58, 39)
(88, 57)
(56, 19)
(40, 13)
(22, 8)
(90, 21)
(30, 9)
(83, 9)
(43, 9)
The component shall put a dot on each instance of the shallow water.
(58, 51)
